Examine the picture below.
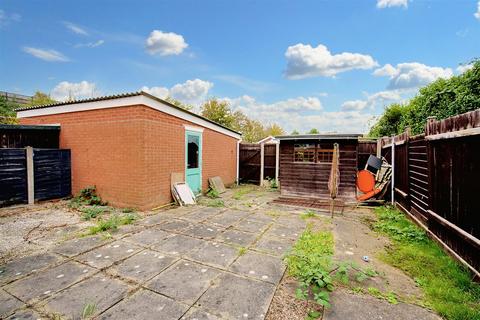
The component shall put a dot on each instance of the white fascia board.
(123, 102)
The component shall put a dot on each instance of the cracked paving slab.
(21, 267)
(148, 237)
(251, 226)
(43, 284)
(26, 315)
(277, 247)
(198, 314)
(99, 290)
(280, 231)
(185, 281)
(228, 218)
(204, 231)
(143, 265)
(146, 305)
(176, 225)
(235, 297)
(178, 245)
(260, 266)
(202, 214)
(107, 255)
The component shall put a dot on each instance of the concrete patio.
(184, 263)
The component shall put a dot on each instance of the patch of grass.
(273, 213)
(242, 191)
(87, 197)
(212, 193)
(242, 251)
(112, 223)
(129, 210)
(88, 310)
(93, 212)
(309, 213)
(216, 203)
(389, 296)
(447, 285)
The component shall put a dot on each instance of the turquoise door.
(193, 160)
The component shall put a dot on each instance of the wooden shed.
(305, 164)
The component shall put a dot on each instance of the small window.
(324, 152)
(304, 152)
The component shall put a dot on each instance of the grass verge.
(448, 287)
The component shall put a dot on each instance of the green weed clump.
(448, 286)
(242, 191)
(212, 193)
(87, 197)
(93, 212)
(309, 213)
(112, 223)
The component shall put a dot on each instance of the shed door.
(193, 160)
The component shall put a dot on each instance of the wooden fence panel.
(249, 159)
(269, 161)
(365, 149)
(52, 173)
(418, 177)
(13, 176)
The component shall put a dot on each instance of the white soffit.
(123, 102)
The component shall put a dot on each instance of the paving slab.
(143, 265)
(99, 290)
(185, 281)
(260, 216)
(176, 225)
(75, 247)
(202, 214)
(237, 237)
(215, 254)
(178, 245)
(156, 219)
(43, 284)
(198, 314)
(252, 226)
(145, 305)
(259, 266)
(27, 314)
(228, 217)
(21, 267)
(147, 237)
(107, 255)
(235, 297)
(283, 232)
(363, 307)
(292, 221)
(8, 304)
(204, 231)
(277, 247)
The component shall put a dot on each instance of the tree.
(7, 111)
(218, 111)
(274, 130)
(253, 131)
(178, 103)
(295, 132)
(40, 98)
(443, 98)
(313, 131)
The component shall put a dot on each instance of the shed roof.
(325, 136)
(29, 127)
(75, 105)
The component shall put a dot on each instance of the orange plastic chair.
(365, 181)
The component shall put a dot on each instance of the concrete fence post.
(30, 176)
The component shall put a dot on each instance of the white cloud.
(90, 44)
(391, 3)
(192, 92)
(411, 75)
(246, 83)
(6, 19)
(75, 29)
(46, 54)
(165, 43)
(477, 14)
(464, 67)
(372, 101)
(305, 61)
(66, 90)
(297, 105)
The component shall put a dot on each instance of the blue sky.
(332, 65)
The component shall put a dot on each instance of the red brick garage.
(128, 146)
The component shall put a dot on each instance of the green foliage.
(179, 103)
(443, 98)
(212, 193)
(242, 251)
(313, 131)
(40, 98)
(218, 111)
(93, 212)
(129, 210)
(295, 133)
(274, 130)
(309, 213)
(448, 287)
(242, 191)
(7, 111)
(215, 203)
(112, 223)
(88, 310)
(87, 197)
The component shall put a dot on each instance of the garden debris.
(216, 184)
(181, 192)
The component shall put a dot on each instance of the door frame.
(194, 131)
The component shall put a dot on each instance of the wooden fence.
(435, 180)
(250, 162)
(51, 175)
(20, 136)
(365, 149)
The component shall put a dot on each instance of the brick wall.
(129, 153)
